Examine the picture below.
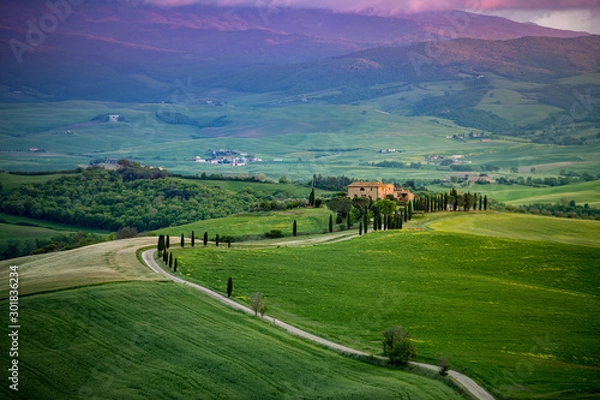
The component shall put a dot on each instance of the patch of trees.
(278, 205)
(397, 164)
(106, 118)
(562, 209)
(103, 199)
(13, 248)
(334, 183)
(563, 179)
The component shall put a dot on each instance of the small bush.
(444, 365)
(560, 214)
(572, 215)
(274, 234)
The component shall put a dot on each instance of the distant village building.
(378, 190)
(113, 118)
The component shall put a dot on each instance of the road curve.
(463, 380)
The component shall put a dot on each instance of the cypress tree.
(311, 197)
(485, 203)
(170, 260)
(348, 221)
(205, 239)
(410, 211)
(474, 201)
(400, 222)
(193, 239)
(228, 243)
(365, 223)
(330, 223)
(182, 240)
(360, 228)
(295, 229)
(480, 202)
(389, 222)
(165, 257)
(229, 287)
(160, 243)
(167, 245)
(175, 266)
(217, 240)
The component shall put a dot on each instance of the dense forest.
(133, 196)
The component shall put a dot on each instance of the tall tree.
(294, 229)
(167, 245)
(175, 266)
(217, 240)
(311, 197)
(485, 203)
(360, 229)
(366, 223)
(161, 243)
(193, 239)
(182, 240)
(205, 239)
(330, 223)
(229, 287)
(170, 260)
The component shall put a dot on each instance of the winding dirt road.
(463, 380)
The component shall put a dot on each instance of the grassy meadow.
(142, 339)
(255, 225)
(519, 316)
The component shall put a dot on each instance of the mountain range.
(136, 52)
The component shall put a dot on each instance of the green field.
(582, 193)
(519, 316)
(255, 225)
(309, 138)
(144, 340)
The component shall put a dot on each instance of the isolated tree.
(330, 223)
(175, 266)
(217, 240)
(258, 303)
(182, 240)
(229, 287)
(444, 365)
(205, 239)
(228, 243)
(170, 260)
(398, 346)
(311, 197)
(294, 229)
(161, 243)
(193, 239)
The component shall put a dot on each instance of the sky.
(577, 15)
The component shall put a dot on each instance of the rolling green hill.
(150, 339)
(483, 301)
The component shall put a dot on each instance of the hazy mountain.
(125, 51)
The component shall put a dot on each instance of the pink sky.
(580, 15)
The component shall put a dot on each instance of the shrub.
(398, 346)
(274, 234)
(560, 214)
(444, 365)
(534, 211)
(571, 215)
(127, 233)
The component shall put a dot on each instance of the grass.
(522, 227)
(9, 231)
(521, 317)
(254, 225)
(10, 181)
(99, 263)
(141, 340)
(586, 192)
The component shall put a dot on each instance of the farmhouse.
(378, 190)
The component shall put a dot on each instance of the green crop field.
(162, 340)
(520, 316)
(254, 225)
